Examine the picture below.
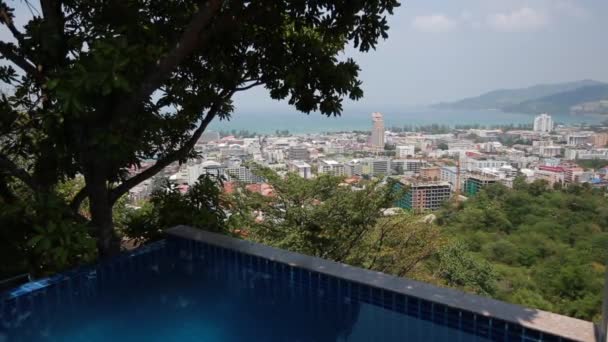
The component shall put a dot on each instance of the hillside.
(506, 98)
(583, 100)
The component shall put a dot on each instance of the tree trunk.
(108, 244)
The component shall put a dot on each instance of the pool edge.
(546, 322)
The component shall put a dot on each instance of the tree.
(202, 206)
(399, 244)
(389, 147)
(459, 268)
(443, 146)
(324, 217)
(40, 236)
(101, 85)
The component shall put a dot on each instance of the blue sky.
(448, 49)
(442, 50)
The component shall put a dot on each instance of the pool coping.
(546, 322)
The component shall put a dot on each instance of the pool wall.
(477, 315)
(34, 302)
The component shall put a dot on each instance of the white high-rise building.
(301, 168)
(406, 151)
(377, 131)
(543, 123)
(331, 167)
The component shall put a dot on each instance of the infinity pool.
(178, 290)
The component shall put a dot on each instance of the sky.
(442, 50)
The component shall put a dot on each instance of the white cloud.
(434, 23)
(524, 19)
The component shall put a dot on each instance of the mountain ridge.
(590, 99)
(529, 99)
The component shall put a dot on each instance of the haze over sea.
(360, 119)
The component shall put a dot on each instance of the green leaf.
(34, 241)
(52, 84)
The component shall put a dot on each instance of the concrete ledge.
(567, 327)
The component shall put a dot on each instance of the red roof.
(229, 187)
(352, 180)
(551, 168)
(263, 189)
(183, 188)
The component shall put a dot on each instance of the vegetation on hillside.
(327, 218)
(592, 164)
(507, 99)
(548, 248)
(563, 103)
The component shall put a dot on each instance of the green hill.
(509, 98)
(582, 100)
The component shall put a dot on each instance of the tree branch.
(54, 22)
(176, 155)
(17, 172)
(7, 51)
(255, 84)
(77, 200)
(51, 10)
(188, 42)
(7, 19)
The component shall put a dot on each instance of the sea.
(267, 122)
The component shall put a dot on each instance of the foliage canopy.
(99, 86)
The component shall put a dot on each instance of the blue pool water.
(204, 293)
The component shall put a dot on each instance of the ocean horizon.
(360, 119)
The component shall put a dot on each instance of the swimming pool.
(186, 290)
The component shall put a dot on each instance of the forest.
(547, 248)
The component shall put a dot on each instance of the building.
(405, 151)
(478, 162)
(243, 174)
(213, 168)
(572, 153)
(543, 123)
(274, 155)
(298, 153)
(425, 196)
(449, 174)
(549, 151)
(331, 167)
(577, 139)
(460, 146)
(599, 139)
(302, 168)
(353, 168)
(380, 167)
(598, 153)
(210, 136)
(399, 166)
(430, 173)
(572, 174)
(377, 139)
(551, 174)
(476, 181)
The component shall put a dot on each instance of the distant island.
(580, 97)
